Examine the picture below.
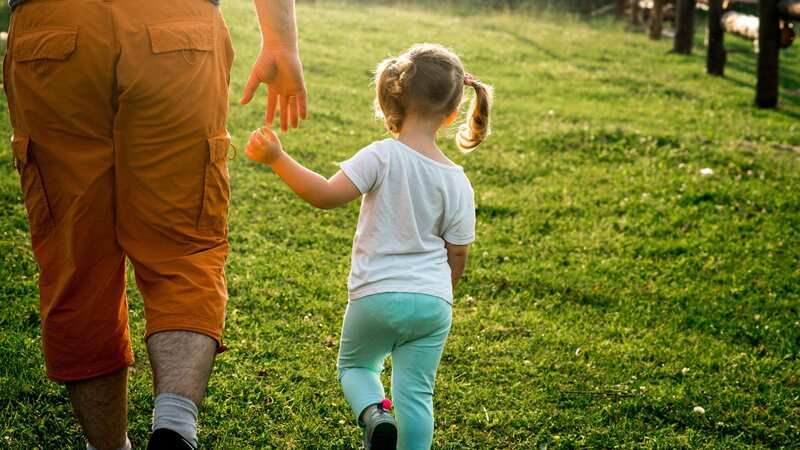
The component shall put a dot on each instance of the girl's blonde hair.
(429, 79)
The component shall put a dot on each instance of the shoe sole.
(384, 437)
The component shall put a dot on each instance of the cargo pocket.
(40, 217)
(216, 187)
(192, 40)
(41, 49)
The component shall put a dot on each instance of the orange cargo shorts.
(118, 109)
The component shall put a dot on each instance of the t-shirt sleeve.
(364, 168)
(461, 229)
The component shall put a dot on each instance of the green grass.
(605, 262)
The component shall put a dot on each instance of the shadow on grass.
(531, 43)
(784, 96)
(636, 87)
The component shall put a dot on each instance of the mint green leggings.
(413, 328)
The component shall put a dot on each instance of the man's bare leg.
(101, 405)
(181, 362)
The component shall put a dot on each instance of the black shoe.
(166, 439)
(380, 428)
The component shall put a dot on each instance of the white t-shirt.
(411, 206)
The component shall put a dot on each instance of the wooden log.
(768, 54)
(742, 25)
(716, 56)
(657, 19)
(603, 10)
(684, 27)
(790, 9)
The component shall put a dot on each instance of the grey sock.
(178, 414)
(126, 446)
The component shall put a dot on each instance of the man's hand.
(282, 72)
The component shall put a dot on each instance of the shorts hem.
(99, 371)
(213, 334)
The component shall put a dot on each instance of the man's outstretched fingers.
(284, 113)
(293, 111)
(301, 106)
(272, 102)
(250, 89)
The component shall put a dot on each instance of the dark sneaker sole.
(384, 437)
(166, 439)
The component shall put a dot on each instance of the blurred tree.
(657, 19)
(636, 12)
(768, 54)
(716, 56)
(684, 27)
(619, 11)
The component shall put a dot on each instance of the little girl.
(416, 223)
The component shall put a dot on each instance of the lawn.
(613, 287)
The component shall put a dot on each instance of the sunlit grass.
(612, 289)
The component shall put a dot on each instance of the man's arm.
(276, 19)
(457, 259)
(278, 64)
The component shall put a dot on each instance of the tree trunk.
(588, 7)
(657, 19)
(619, 11)
(768, 54)
(635, 13)
(716, 56)
(684, 32)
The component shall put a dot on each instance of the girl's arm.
(265, 147)
(457, 259)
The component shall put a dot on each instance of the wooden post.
(588, 7)
(635, 13)
(684, 32)
(619, 11)
(768, 54)
(657, 19)
(716, 56)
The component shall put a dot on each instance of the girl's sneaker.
(380, 428)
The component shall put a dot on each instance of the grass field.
(612, 289)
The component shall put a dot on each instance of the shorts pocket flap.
(176, 36)
(19, 145)
(51, 43)
(218, 147)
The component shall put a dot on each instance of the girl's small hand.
(264, 146)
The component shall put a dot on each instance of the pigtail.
(391, 82)
(476, 127)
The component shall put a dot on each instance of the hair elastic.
(469, 80)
